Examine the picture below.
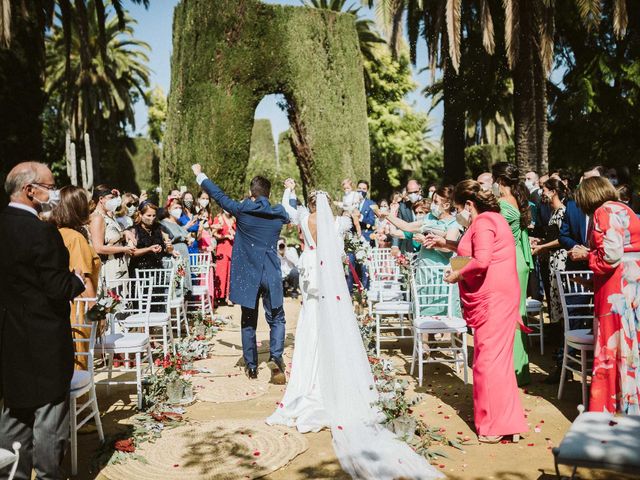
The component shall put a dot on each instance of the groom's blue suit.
(255, 267)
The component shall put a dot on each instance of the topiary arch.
(229, 54)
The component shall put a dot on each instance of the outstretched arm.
(295, 211)
(215, 191)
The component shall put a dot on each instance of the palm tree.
(101, 93)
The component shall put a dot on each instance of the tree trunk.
(21, 91)
(453, 126)
(542, 137)
(524, 105)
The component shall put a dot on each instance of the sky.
(155, 27)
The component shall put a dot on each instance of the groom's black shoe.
(278, 376)
(252, 373)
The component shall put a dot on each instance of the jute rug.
(230, 343)
(230, 387)
(220, 450)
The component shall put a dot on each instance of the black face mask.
(363, 193)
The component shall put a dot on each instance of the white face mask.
(464, 218)
(436, 211)
(614, 181)
(203, 202)
(131, 210)
(384, 209)
(414, 197)
(531, 185)
(495, 189)
(420, 217)
(176, 213)
(113, 204)
(52, 201)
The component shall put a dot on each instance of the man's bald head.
(22, 182)
(485, 179)
(413, 186)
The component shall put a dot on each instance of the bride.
(331, 383)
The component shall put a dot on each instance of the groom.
(255, 268)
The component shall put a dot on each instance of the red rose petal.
(256, 454)
(447, 417)
(340, 427)
(612, 423)
(459, 433)
(529, 444)
(338, 297)
(441, 466)
(504, 442)
(175, 465)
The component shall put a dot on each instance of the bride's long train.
(346, 392)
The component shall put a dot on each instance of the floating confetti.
(340, 427)
(256, 454)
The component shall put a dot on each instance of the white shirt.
(288, 261)
(24, 207)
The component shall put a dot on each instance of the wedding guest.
(124, 215)
(289, 266)
(203, 202)
(225, 233)
(382, 228)
(36, 361)
(486, 181)
(489, 290)
(614, 257)
(413, 193)
(178, 236)
(514, 206)
(555, 192)
(207, 242)
(107, 236)
(189, 220)
(366, 222)
(350, 198)
(149, 244)
(71, 216)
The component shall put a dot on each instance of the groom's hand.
(197, 169)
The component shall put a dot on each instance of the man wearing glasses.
(36, 347)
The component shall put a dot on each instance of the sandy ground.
(445, 401)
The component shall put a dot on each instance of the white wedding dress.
(331, 384)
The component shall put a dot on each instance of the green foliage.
(397, 133)
(228, 55)
(157, 116)
(480, 158)
(595, 114)
(131, 164)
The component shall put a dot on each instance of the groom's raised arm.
(215, 192)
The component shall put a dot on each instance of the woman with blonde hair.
(614, 257)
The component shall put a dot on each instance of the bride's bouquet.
(357, 245)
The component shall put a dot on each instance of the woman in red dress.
(225, 236)
(614, 257)
(490, 295)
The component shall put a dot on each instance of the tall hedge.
(229, 54)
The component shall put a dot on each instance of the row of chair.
(419, 305)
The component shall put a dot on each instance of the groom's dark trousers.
(275, 319)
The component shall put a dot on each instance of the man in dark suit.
(36, 347)
(413, 194)
(255, 268)
(367, 224)
(573, 232)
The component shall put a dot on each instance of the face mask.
(188, 203)
(384, 209)
(147, 221)
(495, 189)
(363, 193)
(464, 218)
(614, 181)
(530, 185)
(113, 204)
(414, 197)
(420, 216)
(176, 213)
(52, 201)
(203, 202)
(131, 210)
(436, 211)
(431, 194)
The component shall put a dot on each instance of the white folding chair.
(136, 296)
(577, 304)
(8, 457)
(535, 321)
(200, 264)
(158, 314)
(83, 382)
(385, 280)
(432, 293)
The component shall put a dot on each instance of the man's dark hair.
(365, 182)
(260, 187)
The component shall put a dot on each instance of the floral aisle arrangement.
(108, 302)
(395, 405)
(170, 384)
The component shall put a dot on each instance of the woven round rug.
(230, 387)
(218, 365)
(220, 450)
(228, 344)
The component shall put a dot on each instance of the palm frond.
(590, 12)
(5, 23)
(512, 29)
(487, 27)
(620, 18)
(454, 18)
(547, 32)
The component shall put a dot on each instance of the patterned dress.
(615, 261)
(557, 263)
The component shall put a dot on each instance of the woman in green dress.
(440, 221)
(514, 206)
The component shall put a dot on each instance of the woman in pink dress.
(225, 236)
(614, 257)
(490, 295)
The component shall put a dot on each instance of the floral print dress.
(557, 263)
(615, 261)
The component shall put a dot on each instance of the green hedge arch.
(229, 54)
